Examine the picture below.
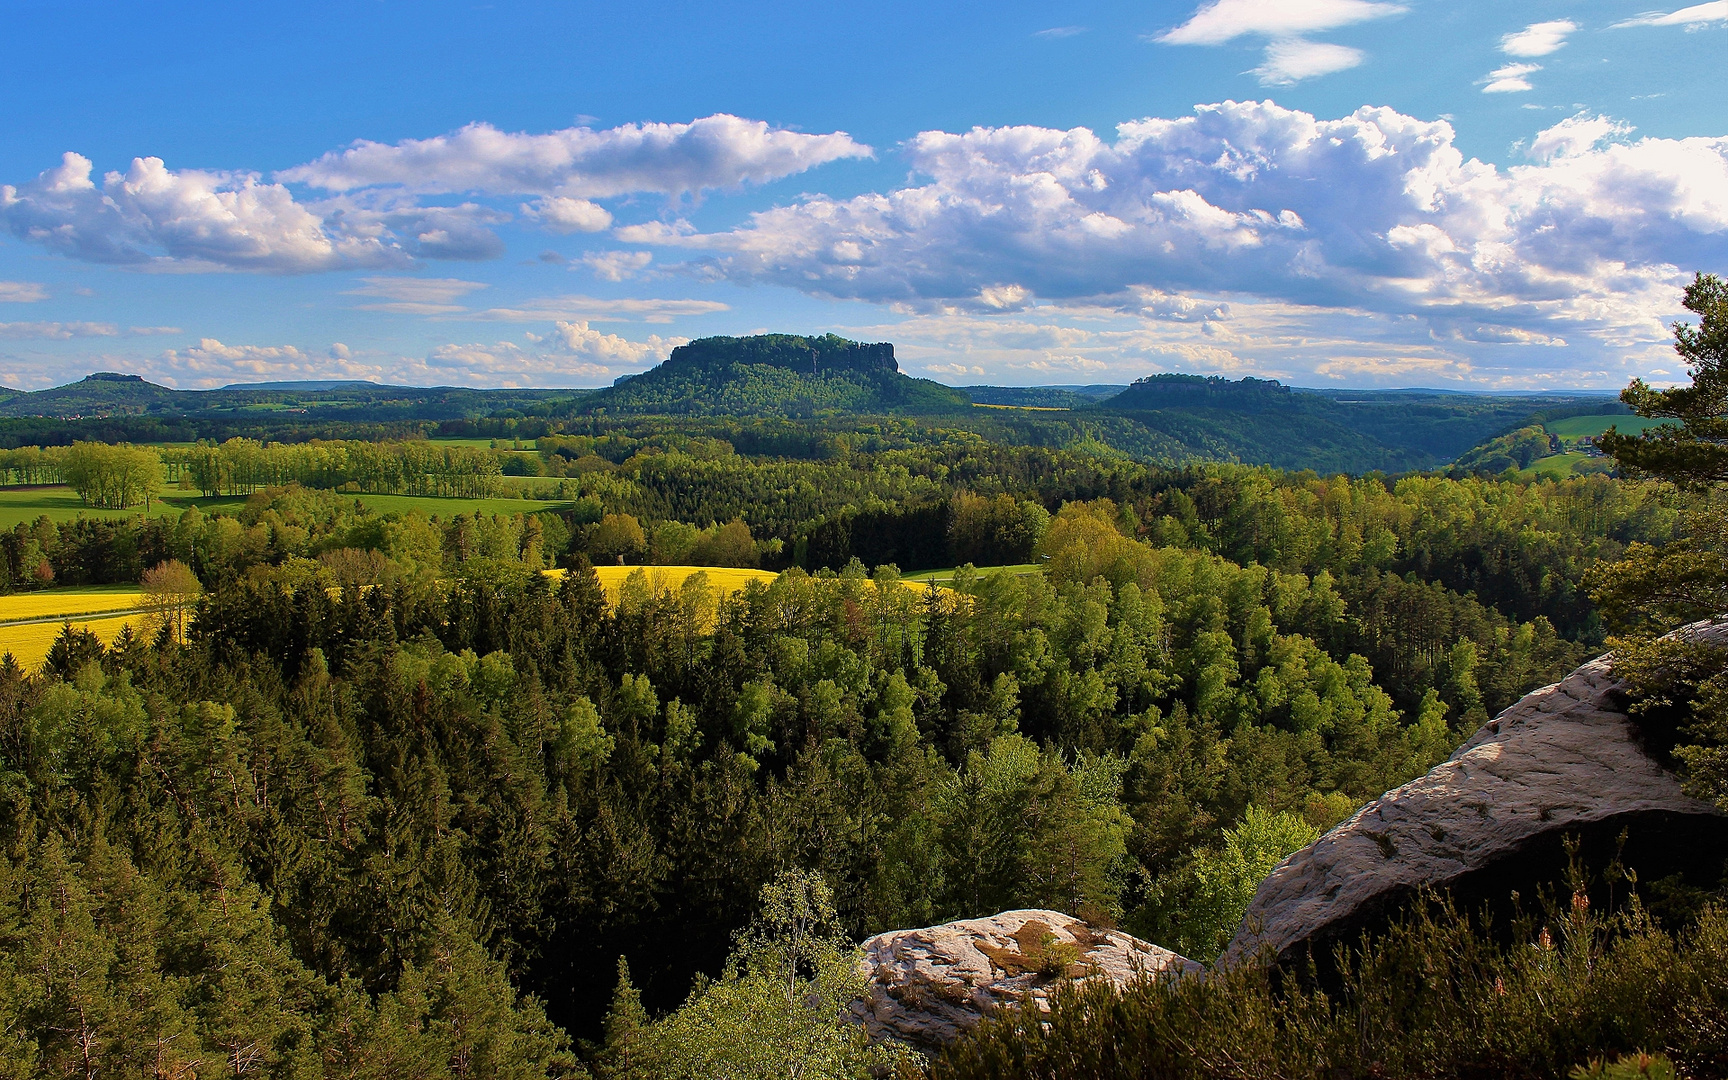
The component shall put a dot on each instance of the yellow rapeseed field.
(29, 642)
(50, 602)
(724, 580)
(29, 622)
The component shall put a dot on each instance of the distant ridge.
(110, 394)
(776, 374)
(1264, 422)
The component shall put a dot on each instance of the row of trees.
(241, 466)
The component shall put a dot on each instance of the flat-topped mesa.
(1564, 766)
(1249, 395)
(794, 352)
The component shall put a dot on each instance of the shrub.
(1434, 997)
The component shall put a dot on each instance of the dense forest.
(408, 778)
(411, 794)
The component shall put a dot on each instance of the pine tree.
(622, 1053)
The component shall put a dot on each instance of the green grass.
(1577, 427)
(944, 577)
(57, 503)
(432, 506)
(484, 444)
(1564, 465)
(25, 505)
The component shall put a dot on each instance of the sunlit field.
(724, 580)
(29, 622)
(54, 603)
(29, 642)
(23, 505)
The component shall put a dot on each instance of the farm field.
(29, 622)
(433, 506)
(725, 580)
(1577, 427)
(944, 577)
(1562, 465)
(28, 643)
(58, 503)
(48, 603)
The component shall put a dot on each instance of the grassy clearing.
(1559, 466)
(29, 642)
(946, 577)
(57, 503)
(1577, 427)
(25, 505)
(432, 506)
(53, 603)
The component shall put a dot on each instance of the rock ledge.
(1562, 762)
(929, 986)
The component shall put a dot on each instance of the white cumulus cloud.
(1375, 212)
(371, 213)
(1538, 39)
(719, 151)
(151, 215)
(562, 214)
(573, 354)
(617, 265)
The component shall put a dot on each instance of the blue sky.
(1332, 192)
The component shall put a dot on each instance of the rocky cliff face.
(1563, 762)
(928, 987)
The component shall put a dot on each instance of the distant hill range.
(1170, 419)
(776, 374)
(107, 394)
(1043, 397)
(1262, 421)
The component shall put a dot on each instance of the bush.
(1434, 997)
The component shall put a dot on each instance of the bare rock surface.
(1564, 760)
(927, 987)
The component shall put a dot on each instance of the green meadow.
(59, 504)
(1578, 427)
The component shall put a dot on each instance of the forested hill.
(1263, 422)
(777, 375)
(110, 395)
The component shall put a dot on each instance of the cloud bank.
(720, 151)
(370, 214)
(1375, 212)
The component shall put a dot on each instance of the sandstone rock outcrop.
(927, 987)
(1564, 761)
